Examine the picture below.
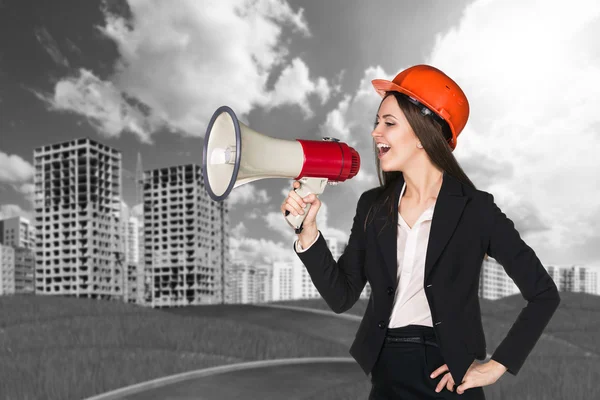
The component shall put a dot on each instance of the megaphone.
(234, 155)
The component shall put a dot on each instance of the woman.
(419, 239)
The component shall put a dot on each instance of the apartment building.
(574, 278)
(24, 270)
(7, 270)
(186, 239)
(77, 220)
(17, 232)
(494, 283)
(283, 279)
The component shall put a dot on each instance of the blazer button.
(381, 324)
(390, 290)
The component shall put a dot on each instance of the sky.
(145, 76)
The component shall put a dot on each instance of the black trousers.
(402, 369)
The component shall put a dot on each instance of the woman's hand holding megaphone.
(310, 205)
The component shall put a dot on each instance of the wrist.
(307, 236)
(498, 366)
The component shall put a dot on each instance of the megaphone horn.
(234, 155)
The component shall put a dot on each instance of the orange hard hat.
(429, 87)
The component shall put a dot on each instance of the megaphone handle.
(307, 186)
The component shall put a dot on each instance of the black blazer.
(466, 225)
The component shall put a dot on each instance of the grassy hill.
(66, 348)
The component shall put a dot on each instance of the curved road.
(298, 378)
(293, 378)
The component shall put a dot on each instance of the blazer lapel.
(446, 214)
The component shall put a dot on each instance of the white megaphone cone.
(234, 155)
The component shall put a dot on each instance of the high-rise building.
(264, 284)
(574, 278)
(303, 286)
(253, 284)
(7, 270)
(186, 239)
(24, 271)
(494, 283)
(77, 219)
(283, 279)
(132, 234)
(17, 232)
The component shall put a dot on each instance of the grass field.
(66, 348)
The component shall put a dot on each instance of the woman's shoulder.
(371, 195)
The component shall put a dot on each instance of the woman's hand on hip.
(481, 374)
(478, 374)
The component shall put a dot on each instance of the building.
(186, 239)
(494, 283)
(575, 278)
(243, 284)
(17, 232)
(283, 279)
(7, 270)
(250, 284)
(77, 220)
(24, 271)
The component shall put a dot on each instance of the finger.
(442, 383)
(297, 202)
(293, 208)
(296, 184)
(450, 384)
(294, 195)
(464, 386)
(438, 371)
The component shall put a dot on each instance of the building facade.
(494, 283)
(186, 239)
(24, 271)
(77, 220)
(17, 232)
(7, 270)
(575, 278)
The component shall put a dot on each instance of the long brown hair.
(434, 138)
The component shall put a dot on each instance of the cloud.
(250, 251)
(534, 91)
(239, 230)
(293, 86)
(177, 65)
(106, 108)
(14, 169)
(14, 210)
(51, 47)
(247, 194)
(532, 135)
(352, 122)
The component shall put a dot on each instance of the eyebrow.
(387, 115)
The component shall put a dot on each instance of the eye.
(389, 124)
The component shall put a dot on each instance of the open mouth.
(383, 148)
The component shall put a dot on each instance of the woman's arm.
(537, 287)
(339, 282)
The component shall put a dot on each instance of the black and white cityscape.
(112, 252)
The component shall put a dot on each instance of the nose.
(375, 132)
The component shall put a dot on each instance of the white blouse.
(410, 303)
